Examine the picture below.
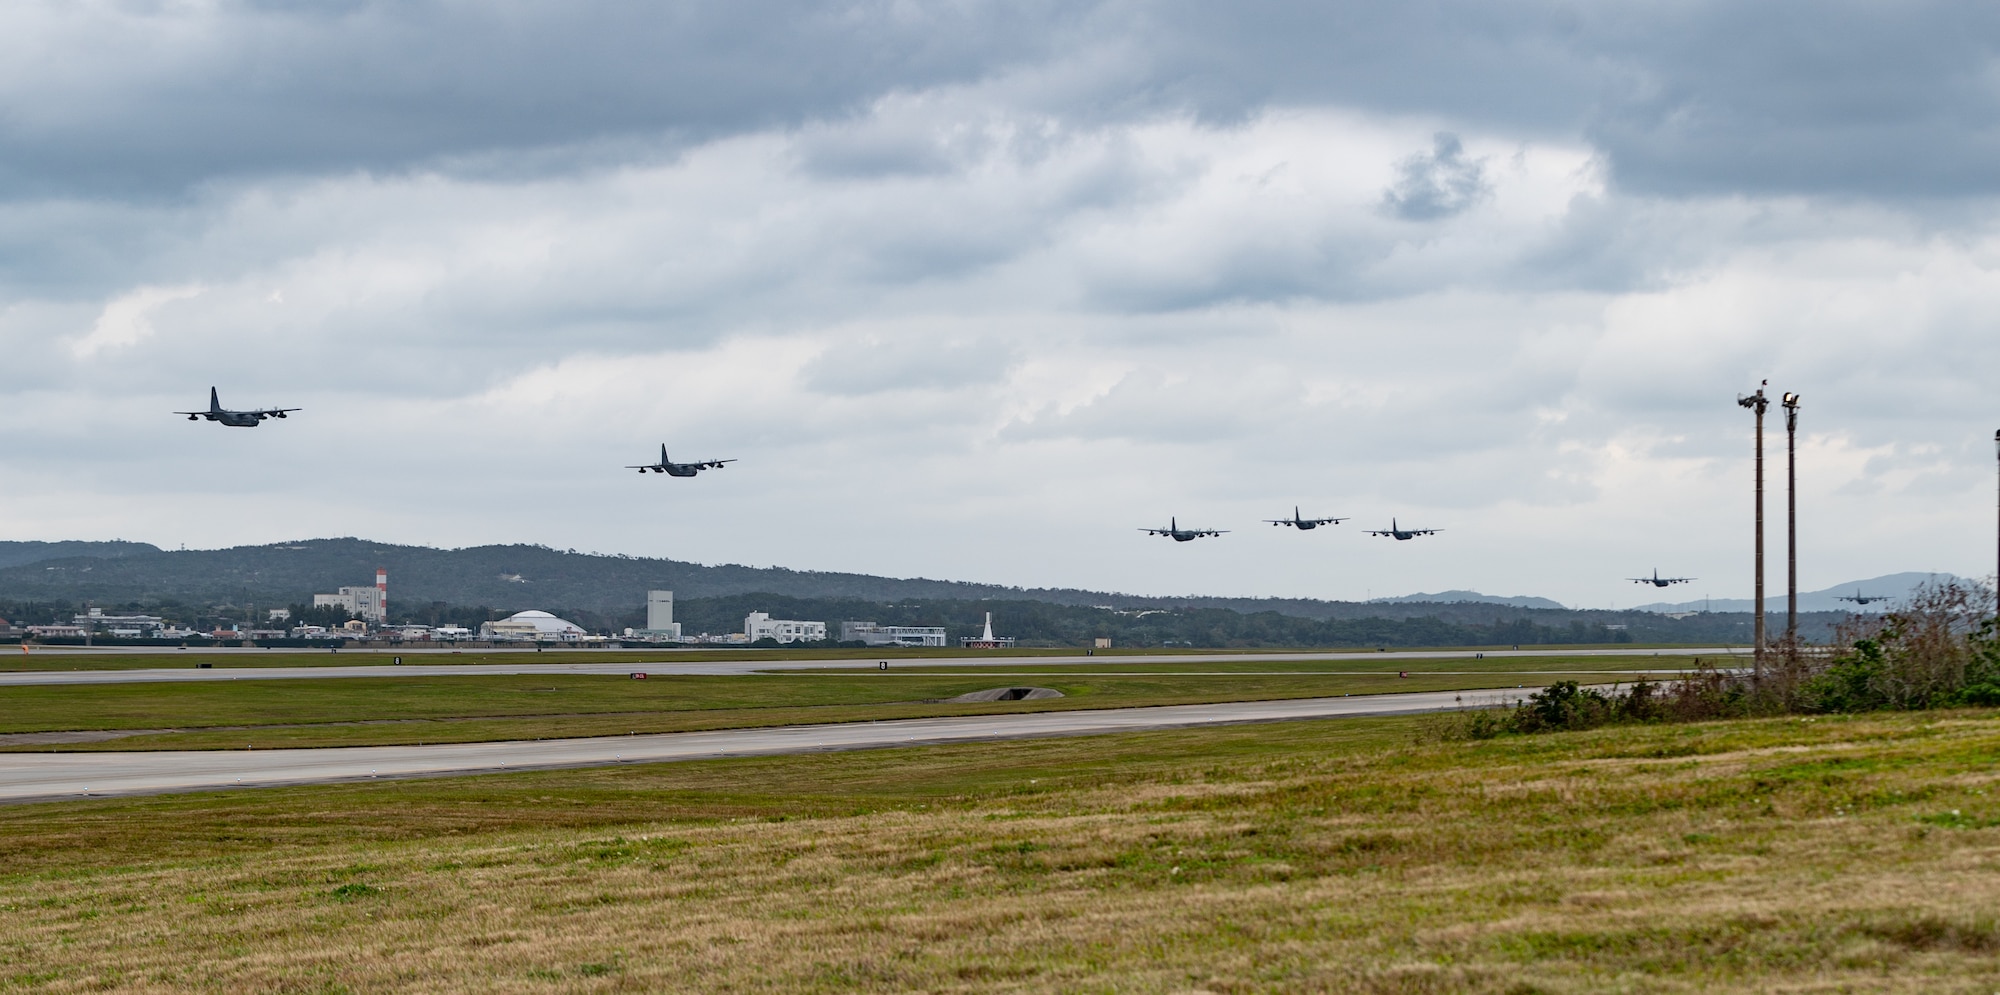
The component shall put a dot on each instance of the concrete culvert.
(1009, 694)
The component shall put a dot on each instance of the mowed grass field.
(1827, 855)
(13, 658)
(266, 714)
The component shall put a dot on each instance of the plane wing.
(713, 464)
(270, 412)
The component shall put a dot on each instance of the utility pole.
(1759, 403)
(1996, 560)
(1791, 403)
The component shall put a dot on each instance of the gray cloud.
(151, 99)
(1852, 98)
(1439, 184)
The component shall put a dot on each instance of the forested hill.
(608, 592)
(517, 577)
(16, 553)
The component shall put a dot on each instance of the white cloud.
(128, 318)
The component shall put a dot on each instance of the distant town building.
(758, 625)
(369, 603)
(122, 626)
(58, 631)
(451, 632)
(8, 630)
(532, 626)
(892, 635)
(988, 641)
(1102, 642)
(660, 624)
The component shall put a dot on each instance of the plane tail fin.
(663, 454)
(214, 401)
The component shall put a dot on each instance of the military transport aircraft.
(1658, 581)
(1862, 599)
(1304, 523)
(673, 469)
(1402, 533)
(234, 419)
(1180, 534)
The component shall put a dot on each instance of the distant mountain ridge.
(515, 577)
(1893, 587)
(508, 577)
(1470, 597)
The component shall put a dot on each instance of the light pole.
(1791, 403)
(1996, 560)
(1759, 403)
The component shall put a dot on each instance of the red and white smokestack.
(382, 595)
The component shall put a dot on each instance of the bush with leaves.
(1938, 650)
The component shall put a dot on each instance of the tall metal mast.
(1791, 403)
(1759, 403)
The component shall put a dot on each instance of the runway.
(664, 665)
(26, 777)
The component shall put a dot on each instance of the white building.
(127, 626)
(892, 635)
(369, 603)
(758, 625)
(531, 626)
(660, 624)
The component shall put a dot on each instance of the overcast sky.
(975, 290)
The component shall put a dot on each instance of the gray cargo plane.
(234, 419)
(1402, 533)
(1658, 581)
(1862, 599)
(673, 469)
(1179, 534)
(1302, 524)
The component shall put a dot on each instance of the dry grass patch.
(1336, 856)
